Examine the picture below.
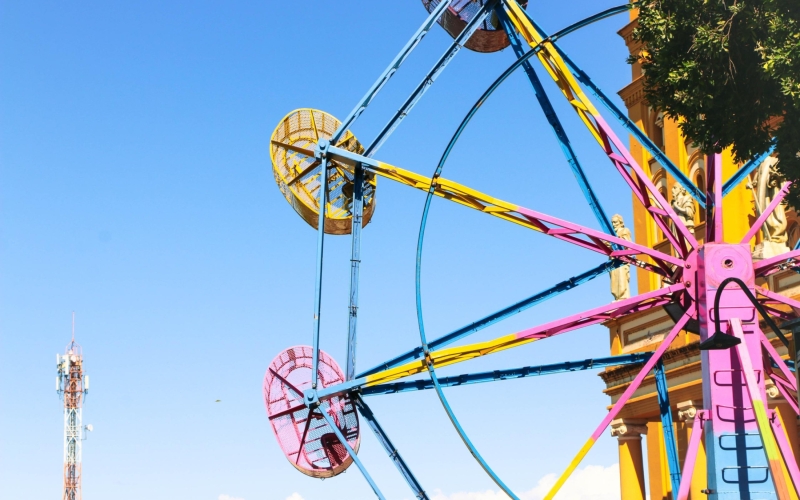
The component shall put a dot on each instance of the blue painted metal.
(420, 240)
(390, 70)
(631, 127)
(394, 455)
(747, 168)
(323, 201)
(555, 124)
(356, 212)
(352, 453)
(508, 374)
(471, 447)
(666, 423)
(493, 318)
(443, 61)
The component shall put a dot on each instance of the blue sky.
(137, 191)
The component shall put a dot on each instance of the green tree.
(727, 67)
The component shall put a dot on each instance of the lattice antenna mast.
(72, 384)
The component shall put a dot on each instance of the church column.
(687, 411)
(631, 464)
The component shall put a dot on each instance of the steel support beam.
(555, 124)
(355, 264)
(426, 82)
(390, 70)
(394, 455)
(666, 423)
(493, 318)
(508, 374)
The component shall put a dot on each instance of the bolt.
(688, 266)
(688, 283)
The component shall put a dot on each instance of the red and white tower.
(72, 384)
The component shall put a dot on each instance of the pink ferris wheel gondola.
(306, 439)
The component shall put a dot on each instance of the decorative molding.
(772, 390)
(627, 34)
(633, 93)
(687, 410)
(625, 429)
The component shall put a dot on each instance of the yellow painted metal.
(556, 68)
(443, 188)
(297, 173)
(449, 356)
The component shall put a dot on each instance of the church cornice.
(627, 34)
(633, 93)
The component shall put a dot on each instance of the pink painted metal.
(784, 387)
(643, 188)
(305, 438)
(691, 455)
(637, 381)
(778, 361)
(786, 451)
(767, 212)
(776, 264)
(724, 390)
(597, 241)
(604, 313)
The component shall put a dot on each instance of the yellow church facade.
(642, 454)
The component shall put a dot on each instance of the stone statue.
(683, 204)
(621, 276)
(766, 186)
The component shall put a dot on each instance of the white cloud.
(294, 496)
(228, 497)
(470, 495)
(593, 482)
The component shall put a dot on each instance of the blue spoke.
(394, 455)
(493, 318)
(508, 374)
(558, 128)
(390, 71)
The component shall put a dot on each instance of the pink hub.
(304, 436)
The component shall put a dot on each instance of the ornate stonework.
(624, 429)
(621, 276)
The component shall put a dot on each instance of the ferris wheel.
(330, 179)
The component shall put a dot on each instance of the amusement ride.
(330, 179)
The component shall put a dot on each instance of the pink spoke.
(287, 412)
(778, 361)
(714, 196)
(786, 316)
(297, 391)
(642, 302)
(766, 213)
(691, 455)
(779, 298)
(303, 439)
(567, 231)
(786, 452)
(624, 159)
(776, 264)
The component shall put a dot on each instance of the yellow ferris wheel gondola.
(297, 175)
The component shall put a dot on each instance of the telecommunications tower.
(72, 384)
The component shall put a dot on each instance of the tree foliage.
(727, 68)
